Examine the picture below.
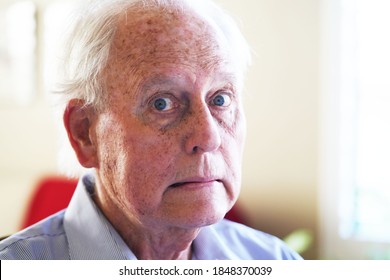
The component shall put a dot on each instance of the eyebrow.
(157, 80)
(168, 80)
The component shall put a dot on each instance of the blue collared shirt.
(81, 232)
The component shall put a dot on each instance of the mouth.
(195, 183)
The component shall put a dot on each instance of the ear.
(78, 121)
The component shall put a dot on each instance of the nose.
(203, 133)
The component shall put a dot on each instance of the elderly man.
(154, 110)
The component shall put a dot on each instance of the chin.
(204, 217)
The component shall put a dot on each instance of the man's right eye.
(163, 104)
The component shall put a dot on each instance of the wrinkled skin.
(167, 146)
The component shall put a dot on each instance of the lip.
(195, 182)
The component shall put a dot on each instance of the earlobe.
(78, 120)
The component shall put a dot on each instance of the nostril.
(195, 149)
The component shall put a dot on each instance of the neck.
(149, 241)
(163, 245)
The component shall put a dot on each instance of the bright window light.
(355, 149)
(366, 70)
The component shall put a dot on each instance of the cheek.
(147, 168)
(233, 146)
(235, 134)
(240, 131)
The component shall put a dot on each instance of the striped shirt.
(81, 232)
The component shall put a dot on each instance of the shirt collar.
(90, 235)
(208, 245)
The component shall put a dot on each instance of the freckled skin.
(142, 152)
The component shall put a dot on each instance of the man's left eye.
(221, 100)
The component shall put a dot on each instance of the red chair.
(51, 195)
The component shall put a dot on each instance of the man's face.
(170, 138)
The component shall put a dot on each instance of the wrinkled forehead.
(168, 35)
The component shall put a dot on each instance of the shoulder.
(44, 240)
(249, 243)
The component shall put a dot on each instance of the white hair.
(90, 36)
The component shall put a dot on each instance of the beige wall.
(282, 92)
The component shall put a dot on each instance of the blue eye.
(163, 104)
(221, 100)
